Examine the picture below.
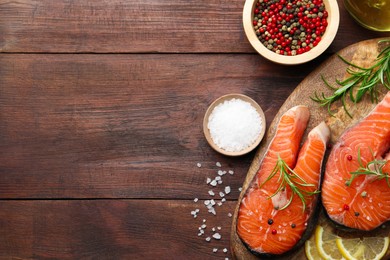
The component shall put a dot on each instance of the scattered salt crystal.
(226, 258)
(204, 220)
(218, 178)
(219, 228)
(208, 239)
(234, 125)
(227, 189)
(223, 199)
(215, 250)
(221, 194)
(208, 180)
(231, 172)
(230, 215)
(199, 165)
(225, 250)
(220, 182)
(218, 164)
(203, 226)
(206, 202)
(212, 202)
(213, 183)
(213, 229)
(211, 193)
(219, 204)
(217, 236)
(212, 211)
(221, 173)
(240, 189)
(196, 200)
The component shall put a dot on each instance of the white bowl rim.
(330, 33)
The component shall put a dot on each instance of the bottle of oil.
(372, 14)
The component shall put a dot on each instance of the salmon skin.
(267, 223)
(364, 202)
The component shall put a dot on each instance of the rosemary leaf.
(287, 177)
(374, 168)
(366, 80)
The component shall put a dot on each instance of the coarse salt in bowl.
(234, 124)
(333, 20)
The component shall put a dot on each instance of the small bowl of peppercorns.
(291, 31)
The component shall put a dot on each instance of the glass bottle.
(372, 14)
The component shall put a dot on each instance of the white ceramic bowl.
(333, 20)
(220, 100)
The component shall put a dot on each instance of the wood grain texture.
(101, 109)
(111, 229)
(363, 54)
(137, 26)
(121, 126)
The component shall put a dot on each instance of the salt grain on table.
(217, 236)
(234, 125)
(210, 203)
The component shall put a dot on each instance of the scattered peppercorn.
(273, 231)
(349, 157)
(270, 221)
(290, 27)
(293, 225)
(357, 214)
(346, 207)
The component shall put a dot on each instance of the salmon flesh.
(267, 223)
(362, 202)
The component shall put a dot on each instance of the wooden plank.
(128, 126)
(111, 229)
(117, 26)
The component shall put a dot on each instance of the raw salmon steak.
(268, 223)
(364, 202)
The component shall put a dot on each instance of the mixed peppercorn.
(290, 27)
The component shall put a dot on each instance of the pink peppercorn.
(284, 25)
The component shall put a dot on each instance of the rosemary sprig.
(366, 80)
(287, 177)
(374, 167)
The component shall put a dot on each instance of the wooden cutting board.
(362, 54)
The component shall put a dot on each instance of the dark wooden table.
(101, 109)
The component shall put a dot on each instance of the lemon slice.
(325, 241)
(368, 248)
(311, 250)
